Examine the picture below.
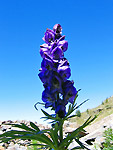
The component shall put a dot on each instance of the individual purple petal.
(68, 83)
(63, 62)
(57, 28)
(43, 52)
(42, 76)
(44, 45)
(69, 91)
(48, 98)
(60, 110)
(49, 36)
(45, 76)
(64, 72)
(64, 45)
(47, 64)
(57, 53)
(49, 104)
(55, 83)
(53, 45)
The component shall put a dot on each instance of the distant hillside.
(105, 109)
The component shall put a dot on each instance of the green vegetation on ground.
(108, 143)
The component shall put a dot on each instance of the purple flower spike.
(55, 71)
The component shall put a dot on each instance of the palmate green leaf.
(70, 110)
(80, 143)
(39, 137)
(88, 121)
(37, 144)
(34, 126)
(14, 132)
(72, 116)
(22, 126)
(47, 115)
(2, 139)
(53, 133)
(57, 127)
(54, 137)
(50, 116)
(43, 146)
(28, 134)
(73, 107)
(76, 97)
(80, 104)
(69, 142)
(73, 135)
(27, 128)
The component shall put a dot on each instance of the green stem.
(61, 133)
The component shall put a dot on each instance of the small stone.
(3, 122)
(4, 130)
(9, 121)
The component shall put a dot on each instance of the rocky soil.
(94, 133)
(13, 145)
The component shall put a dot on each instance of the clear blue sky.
(88, 26)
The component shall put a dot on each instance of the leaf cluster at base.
(51, 139)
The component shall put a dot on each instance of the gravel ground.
(94, 133)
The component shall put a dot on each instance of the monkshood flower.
(49, 36)
(55, 72)
(59, 93)
(69, 91)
